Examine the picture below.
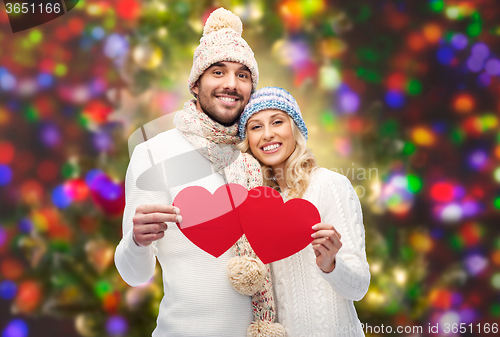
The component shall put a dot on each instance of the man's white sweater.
(198, 299)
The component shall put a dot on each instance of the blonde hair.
(298, 167)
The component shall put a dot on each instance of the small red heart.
(209, 221)
(275, 229)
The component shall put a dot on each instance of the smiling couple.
(242, 132)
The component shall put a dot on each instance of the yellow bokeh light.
(423, 136)
(421, 242)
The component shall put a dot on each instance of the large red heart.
(275, 229)
(209, 221)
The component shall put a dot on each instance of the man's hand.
(326, 244)
(149, 222)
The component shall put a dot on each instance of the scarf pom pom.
(246, 274)
(265, 329)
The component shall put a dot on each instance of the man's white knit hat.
(222, 41)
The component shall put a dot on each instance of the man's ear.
(196, 88)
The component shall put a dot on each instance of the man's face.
(223, 91)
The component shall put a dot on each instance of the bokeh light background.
(400, 96)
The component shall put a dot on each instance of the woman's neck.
(280, 176)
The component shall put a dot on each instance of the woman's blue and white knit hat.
(272, 98)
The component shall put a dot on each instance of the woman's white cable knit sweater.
(312, 303)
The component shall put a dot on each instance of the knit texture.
(215, 142)
(311, 302)
(272, 98)
(222, 42)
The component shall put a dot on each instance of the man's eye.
(243, 75)
(218, 72)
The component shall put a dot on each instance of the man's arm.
(143, 223)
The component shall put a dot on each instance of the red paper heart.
(275, 229)
(209, 221)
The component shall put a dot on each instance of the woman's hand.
(326, 244)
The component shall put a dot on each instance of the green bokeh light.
(457, 136)
(495, 309)
(474, 29)
(60, 70)
(70, 170)
(414, 183)
(414, 87)
(369, 75)
(31, 114)
(102, 288)
(35, 36)
(496, 203)
(456, 242)
(409, 148)
(436, 5)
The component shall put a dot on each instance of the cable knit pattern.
(312, 303)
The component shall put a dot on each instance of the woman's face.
(270, 137)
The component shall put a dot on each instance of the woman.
(315, 288)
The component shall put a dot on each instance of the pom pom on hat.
(222, 18)
(222, 42)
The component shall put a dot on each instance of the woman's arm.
(340, 207)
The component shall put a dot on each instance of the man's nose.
(230, 82)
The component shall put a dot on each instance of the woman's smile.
(271, 147)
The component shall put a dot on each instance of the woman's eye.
(254, 127)
(278, 122)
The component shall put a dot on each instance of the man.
(198, 299)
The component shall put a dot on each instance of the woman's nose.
(268, 133)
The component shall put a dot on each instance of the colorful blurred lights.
(16, 328)
(423, 136)
(480, 51)
(451, 213)
(115, 46)
(495, 281)
(450, 317)
(475, 264)
(496, 174)
(5, 175)
(3, 236)
(349, 102)
(445, 55)
(478, 159)
(459, 41)
(61, 197)
(395, 99)
(330, 78)
(475, 64)
(463, 103)
(8, 289)
(116, 326)
(492, 67)
(7, 82)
